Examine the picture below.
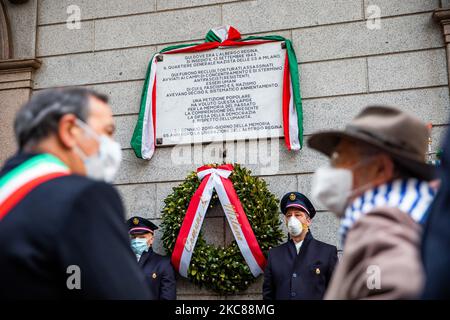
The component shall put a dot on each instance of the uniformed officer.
(159, 273)
(61, 224)
(302, 267)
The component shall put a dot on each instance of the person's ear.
(308, 220)
(385, 168)
(68, 132)
(150, 239)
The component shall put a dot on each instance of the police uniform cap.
(138, 225)
(297, 200)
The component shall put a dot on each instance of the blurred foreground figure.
(61, 224)
(378, 183)
(436, 239)
(159, 273)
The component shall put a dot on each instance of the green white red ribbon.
(144, 136)
(216, 179)
(18, 182)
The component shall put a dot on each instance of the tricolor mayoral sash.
(21, 180)
(216, 178)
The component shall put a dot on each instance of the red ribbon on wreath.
(216, 178)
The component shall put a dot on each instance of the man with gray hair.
(378, 183)
(61, 222)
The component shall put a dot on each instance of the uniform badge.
(136, 221)
(317, 271)
(292, 197)
(154, 275)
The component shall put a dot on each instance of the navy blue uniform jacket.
(67, 221)
(289, 276)
(160, 275)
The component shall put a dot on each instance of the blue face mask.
(139, 245)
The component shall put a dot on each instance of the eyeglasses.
(335, 159)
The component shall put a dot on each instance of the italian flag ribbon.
(143, 140)
(216, 178)
(21, 180)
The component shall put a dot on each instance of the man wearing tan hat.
(378, 184)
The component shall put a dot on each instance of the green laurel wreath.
(223, 269)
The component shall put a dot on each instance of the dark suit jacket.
(436, 236)
(289, 276)
(70, 220)
(160, 275)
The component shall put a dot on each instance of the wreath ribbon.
(216, 178)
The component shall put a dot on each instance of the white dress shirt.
(298, 245)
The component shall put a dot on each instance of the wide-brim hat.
(402, 136)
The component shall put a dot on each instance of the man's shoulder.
(390, 226)
(280, 248)
(162, 258)
(323, 245)
(74, 191)
(78, 181)
(313, 241)
(385, 216)
(73, 185)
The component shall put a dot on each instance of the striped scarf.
(411, 196)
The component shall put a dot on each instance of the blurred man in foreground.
(378, 183)
(61, 224)
(436, 237)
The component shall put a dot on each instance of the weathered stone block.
(92, 68)
(408, 70)
(355, 39)
(256, 16)
(155, 28)
(331, 78)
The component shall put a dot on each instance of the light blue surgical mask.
(139, 245)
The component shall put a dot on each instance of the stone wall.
(18, 29)
(343, 67)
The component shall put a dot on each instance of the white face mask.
(106, 162)
(294, 226)
(332, 188)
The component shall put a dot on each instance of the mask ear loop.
(87, 129)
(365, 187)
(90, 132)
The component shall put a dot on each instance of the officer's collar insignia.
(154, 275)
(292, 197)
(136, 221)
